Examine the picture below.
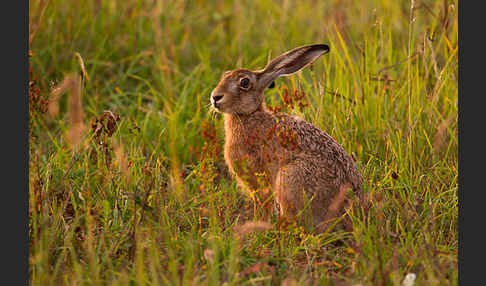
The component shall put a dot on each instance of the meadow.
(127, 181)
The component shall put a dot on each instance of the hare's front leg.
(261, 195)
(262, 200)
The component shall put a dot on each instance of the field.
(127, 181)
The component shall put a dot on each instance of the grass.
(127, 180)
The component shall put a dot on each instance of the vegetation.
(127, 182)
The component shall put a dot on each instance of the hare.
(281, 156)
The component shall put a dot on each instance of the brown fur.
(304, 168)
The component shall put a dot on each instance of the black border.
(15, 120)
(471, 169)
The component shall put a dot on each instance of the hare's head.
(241, 91)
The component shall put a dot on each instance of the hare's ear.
(289, 63)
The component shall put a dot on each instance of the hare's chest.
(246, 163)
(242, 159)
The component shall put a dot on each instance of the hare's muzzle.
(216, 98)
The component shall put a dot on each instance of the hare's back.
(317, 144)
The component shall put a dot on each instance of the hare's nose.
(217, 98)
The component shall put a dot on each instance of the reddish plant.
(37, 103)
(290, 101)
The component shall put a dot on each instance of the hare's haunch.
(303, 167)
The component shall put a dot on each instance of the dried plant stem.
(409, 82)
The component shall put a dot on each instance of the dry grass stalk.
(289, 281)
(334, 208)
(252, 226)
(53, 107)
(337, 202)
(77, 129)
(209, 255)
(35, 20)
(121, 161)
(252, 269)
(439, 138)
(81, 64)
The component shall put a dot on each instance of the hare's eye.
(244, 82)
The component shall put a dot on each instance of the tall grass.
(144, 197)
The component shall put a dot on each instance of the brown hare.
(280, 156)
